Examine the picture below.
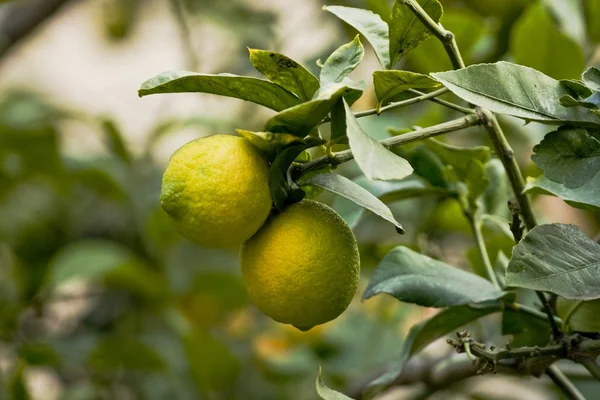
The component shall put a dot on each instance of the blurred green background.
(101, 299)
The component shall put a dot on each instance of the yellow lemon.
(216, 190)
(302, 268)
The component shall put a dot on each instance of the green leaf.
(212, 366)
(387, 192)
(525, 329)
(516, 90)
(268, 143)
(88, 259)
(476, 179)
(284, 190)
(420, 335)
(326, 393)
(255, 90)
(389, 84)
(579, 316)
(344, 187)
(406, 30)
(342, 61)
(415, 278)
(303, 118)
(285, 72)
(370, 25)
(569, 156)
(557, 258)
(577, 87)
(469, 30)
(374, 160)
(592, 14)
(538, 43)
(586, 196)
(338, 123)
(459, 157)
(591, 77)
(115, 141)
(122, 352)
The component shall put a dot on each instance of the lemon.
(216, 190)
(302, 268)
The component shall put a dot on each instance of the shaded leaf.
(569, 156)
(577, 87)
(268, 143)
(476, 179)
(591, 77)
(516, 90)
(344, 187)
(387, 192)
(525, 329)
(375, 161)
(389, 84)
(285, 72)
(115, 141)
(557, 258)
(469, 31)
(406, 30)
(88, 259)
(424, 333)
(283, 189)
(342, 61)
(415, 278)
(338, 123)
(255, 90)
(592, 14)
(458, 157)
(586, 196)
(370, 25)
(212, 366)
(116, 352)
(303, 118)
(326, 393)
(579, 316)
(537, 42)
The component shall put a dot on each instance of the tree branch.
(22, 18)
(444, 36)
(420, 134)
(475, 224)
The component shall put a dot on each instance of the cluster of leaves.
(556, 258)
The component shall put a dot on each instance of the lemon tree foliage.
(415, 278)
(557, 258)
(261, 193)
(570, 156)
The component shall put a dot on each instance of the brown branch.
(22, 18)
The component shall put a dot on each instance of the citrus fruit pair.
(300, 266)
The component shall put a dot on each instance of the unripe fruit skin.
(216, 191)
(303, 267)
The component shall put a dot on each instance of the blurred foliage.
(97, 287)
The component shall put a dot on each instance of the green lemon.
(302, 268)
(216, 190)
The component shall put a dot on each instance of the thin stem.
(422, 97)
(591, 366)
(506, 154)
(531, 311)
(445, 103)
(346, 155)
(481, 249)
(556, 333)
(185, 34)
(413, 100)
(564, 383)
(446, 37)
